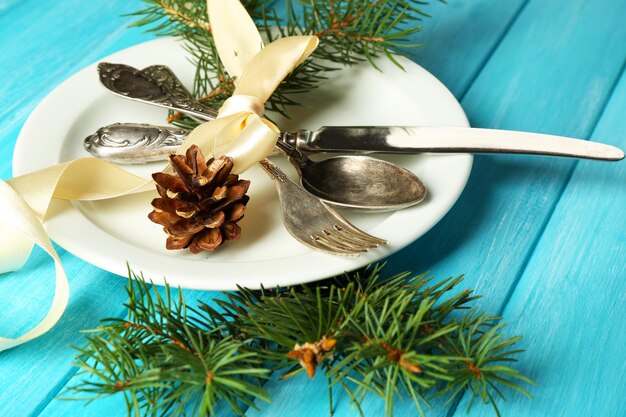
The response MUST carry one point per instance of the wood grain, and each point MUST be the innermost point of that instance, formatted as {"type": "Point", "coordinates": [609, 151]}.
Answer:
{"type": "Point", "coordinates": [528, 83]}
{"type": "Point", "coordinates": [570, 302]}
{"type": "Point", "coordinates": [544, 240]}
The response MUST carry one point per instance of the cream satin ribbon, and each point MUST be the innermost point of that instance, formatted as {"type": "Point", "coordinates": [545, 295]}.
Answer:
{"type": "Point", "coordinates": [24, 202]}
{"type": "Point", "coordinates": [240, 132]}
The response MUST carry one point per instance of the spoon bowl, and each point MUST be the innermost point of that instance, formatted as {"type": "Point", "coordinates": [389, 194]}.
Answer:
{"type": "Point", "coordinates": [362, 182]}
{"type": "Point", "coordinates": [357, 181]}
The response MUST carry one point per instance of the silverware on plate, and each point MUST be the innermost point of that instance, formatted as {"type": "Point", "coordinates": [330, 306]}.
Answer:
{"type": "Point", "coordinates": [362, 183]}
{"type": "Point", "coordinates": [134, 143]}
{"type": "Point", "coordinates": [350, 181]}
{"type": "Point", "coordinates": [306, 217]}
{"type": "Point", "coordinates": [424, 139]}
{"type": "Point", "coordinates": [313, 223]}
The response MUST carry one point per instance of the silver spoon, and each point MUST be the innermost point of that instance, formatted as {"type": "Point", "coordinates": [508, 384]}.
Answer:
{"type": "Point", "coordinates": [133, 143]}
{"type": "Point", "coordinates": [362, 182]}
{"type": "Point", "coordinates": [352, 181]}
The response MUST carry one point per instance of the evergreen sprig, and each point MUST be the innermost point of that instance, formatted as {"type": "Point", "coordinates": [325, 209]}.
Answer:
{"type": "Point", "coordinates": [350, 31]}
{"type": "Point", "coordinates": [391, 337]}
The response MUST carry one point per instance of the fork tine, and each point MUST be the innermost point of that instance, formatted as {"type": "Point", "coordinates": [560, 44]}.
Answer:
{"type": "Point", "coordinates": [345, 241]}
{"type": "Point", "coordinates": [344, 224]}
{"type": "Point", "coordinates": [310, 221]}
{"type": "Point", "coordinates": [360, 235]}
{"type": "Point", "coordinates": [329, 246]}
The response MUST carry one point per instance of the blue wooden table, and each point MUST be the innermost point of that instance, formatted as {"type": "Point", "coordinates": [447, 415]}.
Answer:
{"type": "Point", "coordinates": [542, 239]}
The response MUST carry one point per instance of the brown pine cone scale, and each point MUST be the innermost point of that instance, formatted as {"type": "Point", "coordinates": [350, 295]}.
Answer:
{"type": "Point", "coordinates": [200, 204]}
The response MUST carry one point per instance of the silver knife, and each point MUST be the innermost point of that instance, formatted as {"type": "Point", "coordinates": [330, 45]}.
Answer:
{"type": "Point", "coordinates": [133, 143]}
{"type": "Point", "coordinates": [420, 139]}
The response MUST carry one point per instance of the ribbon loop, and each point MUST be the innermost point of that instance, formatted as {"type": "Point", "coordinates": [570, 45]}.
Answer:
{"type": "Point", "coordinates": [267, 69]}
{"type": "Point", "coordinates": [257, 71]}
{"type": "Point", "coordinates": [236, 37]}
{"type": "Point", "coordinates": [21, 227]}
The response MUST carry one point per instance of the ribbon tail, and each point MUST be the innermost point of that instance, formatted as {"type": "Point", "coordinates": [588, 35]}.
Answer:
{"type": "Point", "coordinates": [24, 202]}
{"type": "Point", "coordinates": [21, 224]}
{"type": "Point", "coordinates": [81, 179]}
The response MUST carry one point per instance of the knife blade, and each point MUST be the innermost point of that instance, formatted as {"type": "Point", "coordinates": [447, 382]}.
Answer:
{"type": "Point", "coordinates": [418, 139]}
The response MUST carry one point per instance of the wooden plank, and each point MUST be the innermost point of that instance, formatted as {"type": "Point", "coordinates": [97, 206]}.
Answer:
{"type": "Point", "coordinates": [31, 375]}
{"type": "Point", "coordinates": [543, 77]}
{"type": "Point", "coordinates": [42, 45]}
{"type": "Point", "coordinates": [489, 232]}
{"type": "Point", "coordinates": [13, 6]}
{"type": "Point", "coordinates": [452, 241]}
{"type": "Point", "coordinates": [460, 36]}
{"type": "Point", "coordinates": [570, 302]}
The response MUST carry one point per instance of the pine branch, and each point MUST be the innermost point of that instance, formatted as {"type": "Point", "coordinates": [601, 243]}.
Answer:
{"type": "Point", "coordinates": [391, 337]}
{"type": "Point", "coordinates": [178, 17]}
{"type": "Point", "coordinates": [350, 31]}
{"type": "Point", "coordinates": [164, 363]}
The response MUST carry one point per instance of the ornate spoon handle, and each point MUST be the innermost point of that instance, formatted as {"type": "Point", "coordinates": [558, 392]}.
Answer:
{"type": "Point", "coordinates": [134, 143]}
{"type": "Point", "coordinates": [155, 85]}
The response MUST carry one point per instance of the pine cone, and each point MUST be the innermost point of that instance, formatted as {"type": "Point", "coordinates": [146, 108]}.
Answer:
{"type": "Point", "coordinates": [201, 204]}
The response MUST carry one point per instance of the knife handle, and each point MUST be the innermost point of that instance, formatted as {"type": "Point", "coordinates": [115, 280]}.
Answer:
{"type": "Point", "coordinates": [475, 140]}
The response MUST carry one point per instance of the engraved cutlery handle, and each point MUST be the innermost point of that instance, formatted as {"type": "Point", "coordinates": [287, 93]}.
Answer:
{"type": "Point", "coordinates": [133, 143]}
{"type": "Point", "coordinates": [155, 85]}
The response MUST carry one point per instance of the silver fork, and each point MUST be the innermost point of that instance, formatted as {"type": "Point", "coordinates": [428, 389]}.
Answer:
{"type": "Point", "coordinates": [310, 221]}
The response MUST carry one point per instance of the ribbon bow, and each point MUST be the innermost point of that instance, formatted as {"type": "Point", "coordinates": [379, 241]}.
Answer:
{"type": "Point", "coordinates": [240, 132]}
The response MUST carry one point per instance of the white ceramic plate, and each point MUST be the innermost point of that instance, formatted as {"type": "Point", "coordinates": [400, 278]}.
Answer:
{"type": "Point", "coordinates": [110, 233]}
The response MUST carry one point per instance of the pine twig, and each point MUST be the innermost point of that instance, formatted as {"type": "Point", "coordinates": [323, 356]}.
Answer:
{"type": "Point", "coordinates": [389, 337]}
{"type": "Point", "coordinates": [350, 31]}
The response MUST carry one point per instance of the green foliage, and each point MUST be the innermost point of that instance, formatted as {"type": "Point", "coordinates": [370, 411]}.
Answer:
{"type": "Point", "coordinates": [349, 31]}
{"type": "Point", "coordinates": [391, 337]}
{"type": "Point", "coordinates": [164, 363]}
